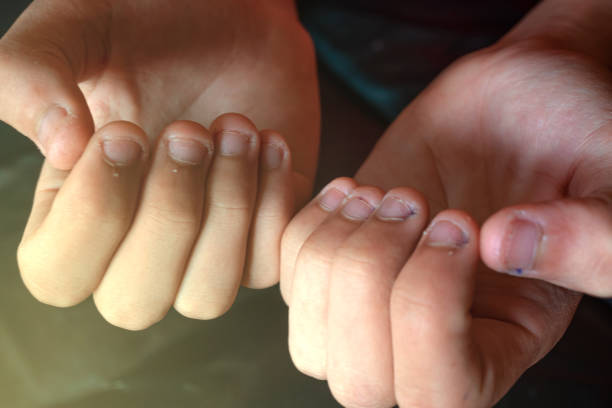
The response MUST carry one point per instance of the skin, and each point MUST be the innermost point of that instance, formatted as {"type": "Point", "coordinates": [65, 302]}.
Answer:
{"type": "Point", "coordinates": [520, 130]}
{"type": "Point", "coordinates": [143, 236]}
{"type": "Point", "coordinates": [540, 98]}
{"type": "Point", "coordinates": [71, 70]}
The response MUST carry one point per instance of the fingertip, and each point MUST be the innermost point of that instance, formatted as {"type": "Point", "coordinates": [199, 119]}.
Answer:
{"type": "Point", "coordinates": [190, 128]}
{"type": "Point", "coordinates": [275, 153]}
{"type": "Point", "coordinates": [403, 202]}
{"type": "Point", "coordinates": [334, 194]}
{"type": "Point", "coordinates": [233, 121]}
{"type": "Point", "coordinates": [468, 231]}
{"type": "Point", "coordinates": [63, 137]}
{"type": "Point", "coordinates": [510, 239]}
{"type": "Point", "coordinates": [124, 129]}
{"type": "Point", "coordinates": [187, 143]}
{"type": "Point", "coordinates": [491, 238]}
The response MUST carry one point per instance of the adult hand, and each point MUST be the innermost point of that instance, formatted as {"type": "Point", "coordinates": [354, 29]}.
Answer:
{"type": "Point", "coordinates": [518, 136]}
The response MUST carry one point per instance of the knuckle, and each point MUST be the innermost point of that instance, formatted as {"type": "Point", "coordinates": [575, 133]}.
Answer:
{"type": "Point", "coordinates": [312, 256]}
{"type": "Point", "coordinates": [416, 395]}
{"type": "Point", "coordinates": [181, 218]}
{"type": "Point", "coordinates": [201, 310]}
{"type": "Point", "coordinates": [260, 279]}
{"type": "Point", "coordinates": [46, 286]}
{"type": "Point", "coordinates": [307, 362]}
{"type": "Point", "coordinates": [362, 263]}
{"type": "Point", "coordinates": [316, 250]}
{"type": "Point", "coordinates": [236, 206]}
{"type": "Point", "coordinates": [403, 301]}
{"type": "Point", "coordinates": [359, 260]}
{"type": "Point", "coordinates": [129, 317]}
{"type": "Point", "coordinates": [353, 394]}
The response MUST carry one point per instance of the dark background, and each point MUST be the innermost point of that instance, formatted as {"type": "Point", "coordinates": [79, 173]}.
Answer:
{"type": "Point", "coordinates": [72, 358]}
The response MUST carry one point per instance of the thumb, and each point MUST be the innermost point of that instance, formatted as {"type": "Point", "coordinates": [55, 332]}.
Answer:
{"type": "Point", "coordinates": [42, 58]}
{"type": "Point", "coordinates": [566, 242]}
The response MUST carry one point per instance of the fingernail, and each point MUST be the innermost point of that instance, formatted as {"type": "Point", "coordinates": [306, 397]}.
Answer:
{"type": "Point", "coordinates": [331, 199]}
{"type": "Point", "coordinates": [444, 233]}
{"type": "Point", "coordinates": [50, 125]}
{"type": "Point", "coordinates": [121, 151]}
{"type": "Point", "coordinates": [273, 156]}
{"type": "Point", "coordinates": [186, 150]}
{"type": "Point", "coordinates": [521, 245]}
{"type": "Point", "coordinates": [357, 209]}
{"type": "Point", "coordinates": [394, 209]}
{"type": "Point", "coordinates": [233, 143]}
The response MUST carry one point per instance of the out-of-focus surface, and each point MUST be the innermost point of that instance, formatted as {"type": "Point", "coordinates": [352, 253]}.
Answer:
{"type": "Point", "coordinates": [71, 358]}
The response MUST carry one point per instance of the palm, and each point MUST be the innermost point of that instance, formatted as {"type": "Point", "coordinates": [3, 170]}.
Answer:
{"type": "Point", "coordinates": [197, 60]}
{"type": "Point", "coordinates": [497, 129]}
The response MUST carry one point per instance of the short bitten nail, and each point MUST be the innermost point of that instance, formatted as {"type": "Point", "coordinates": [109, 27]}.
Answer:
{"type": "Point", "coordinates": [331, 199]}
{"type": "Point", "coordinates": [273, 156]}
{"type": "Point", "coordinates": [186, 150]}
{"type": "Point", "coordinates": [394, 209]}
{"type": "Point", "coordinates": [521, 244]}
{"type": "Point", "coordinates": [233, 143]}
{"type": "Point", "coordinates": [357, 209]}
{"type": "Point", "coordinates": [446, 234]}
{"type": "Point", "coordinates": [121, 151]}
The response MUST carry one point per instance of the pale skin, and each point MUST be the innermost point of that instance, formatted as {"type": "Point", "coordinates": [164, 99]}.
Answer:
{"type": "Point", "coordinates": [73, 69]}
{"type": "Point", "coordinates": [520, 131]}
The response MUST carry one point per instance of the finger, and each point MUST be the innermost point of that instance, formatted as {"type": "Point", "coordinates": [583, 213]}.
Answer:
{"type": "Point", "coordinates": [44, 55]}
{"type": "Point", "coordinates": [214, 272]}
{"type": "Point", "coordinates": [304, 223]}
{"type": "Point", "coordinates": [309, 297]}
{"type": "Point", "coordinates": [566, 242]}
{"type": "Point", "coordinates": [72, 235]}
{"type": "Point", "coordinates": [360, 361]}
{"type": "Point", "coordinates": [273, 210]}
{"type": "Point", "coordinates": [430, 317]}
{"type": "Point", "coordinates": [143, 277]}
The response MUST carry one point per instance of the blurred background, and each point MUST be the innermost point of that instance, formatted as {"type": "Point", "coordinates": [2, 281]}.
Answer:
{"type": "Point", "coordinates": [52, 358]}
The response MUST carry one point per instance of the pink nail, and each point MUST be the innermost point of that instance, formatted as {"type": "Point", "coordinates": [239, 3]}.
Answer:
{"type": "Point", "coordinates": [121, 152]}
{"type": "Point", "coordinates": [331, 199]}
{"type": "Point", "coordinates": [273, 156]}
{"type": "Point", "coordinates": [186, 150]}
{"type": "Point", "coordinates": [521, 244]}
{"type": "Point", "coordinates": [357, 209]}
{"type": "Point", "coordinates": [444, 233]}
{"type": "Point", "coordinates": [394, 209]}
{"type": "Point", "coordinates": [232, 143]}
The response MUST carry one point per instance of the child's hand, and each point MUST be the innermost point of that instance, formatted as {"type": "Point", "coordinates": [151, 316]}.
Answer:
{"type": "Point", "coordinates": [386, 325]}
{"type": "Point", "coordinates": [69, 67]}
{"type": "Point", "coordinates": [145, 227]}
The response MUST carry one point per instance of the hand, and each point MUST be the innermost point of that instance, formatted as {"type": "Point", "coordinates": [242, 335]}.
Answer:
{"type": "Point", "coordinates": [67, 68]}
{"type": "Point", "coordinates": [384, 324]}
{"type": "Point", "coordinates": [520, 135]}
{"type": "Point", "coordinates": [515, 135]}
{"type": "Point", "coordinates": [145, 227]}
